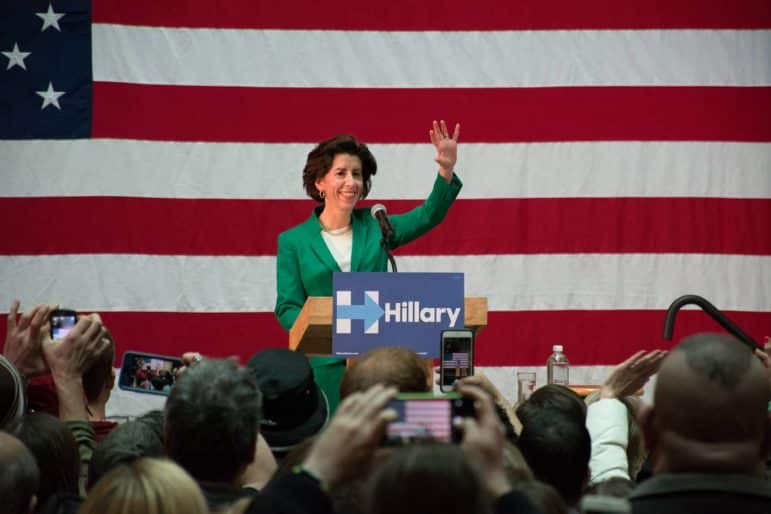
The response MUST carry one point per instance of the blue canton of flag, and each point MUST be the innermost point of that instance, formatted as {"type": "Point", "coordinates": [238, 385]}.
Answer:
{"type": "Point", "coordinates": [45, 69]}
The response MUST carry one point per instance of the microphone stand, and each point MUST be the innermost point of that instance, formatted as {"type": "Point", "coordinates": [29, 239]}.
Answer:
{"type": "Point", "coordinates": [384, 246]}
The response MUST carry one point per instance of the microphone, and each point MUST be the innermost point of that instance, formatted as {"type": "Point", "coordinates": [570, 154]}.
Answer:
{"type": "Point", "coordinates": [378, 212]}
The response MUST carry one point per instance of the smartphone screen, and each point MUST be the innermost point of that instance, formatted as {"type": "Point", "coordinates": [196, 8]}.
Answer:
{"type": "Point", "coordinates": [457, 357]}
{"type": "Point", "coordinates": [62, 321]}
{"type": "Point", "coordinates": [148, 373]}
{"type": "Point", "coordinates": [427, 418]}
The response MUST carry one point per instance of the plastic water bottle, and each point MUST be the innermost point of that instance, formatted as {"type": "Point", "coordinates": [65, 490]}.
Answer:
{"type": "Point", "coordinates": [557, 367]}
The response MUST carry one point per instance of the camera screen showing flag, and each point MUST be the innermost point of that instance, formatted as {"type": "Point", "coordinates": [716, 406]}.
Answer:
{"type": "Point", "coordinates": [456, 360]}
{"type": "Point", "coordinates": [420, 419]}
{"type": "Point", "coordinates": [614, 156]}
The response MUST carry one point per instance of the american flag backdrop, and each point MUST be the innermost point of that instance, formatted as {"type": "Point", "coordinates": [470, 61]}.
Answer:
{"type": "Point", "coordinates": [615, 155]}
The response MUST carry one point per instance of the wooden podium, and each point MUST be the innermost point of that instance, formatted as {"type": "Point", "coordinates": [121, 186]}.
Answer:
{"type": "Point", "coordinates": [312, 330]}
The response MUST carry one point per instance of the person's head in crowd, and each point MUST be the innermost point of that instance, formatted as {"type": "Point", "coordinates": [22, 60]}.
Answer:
{"type": "Point", "coordinates": [140, 437]}
{"type": "Point", "coordinates": [99, 379]}
{"type": "Point", "coordinates": [388, 365]}
{"type": "Point", "coordinates": [557, 447]}
{"type": "Point", "coordinates": [556, 397]}
{"type": "Point", "coordinates": [147, 485]}
{"type": "Point", "coordinates": [55, 451]}
{"type": "Point", "coordinates": [212, 420]}
{"type": "Point", "coordinates": [431, 477]}
{"type": "Point", "coordinates": [542, 495]}
{"type": "Point", "coordinates": [19, 478]}
{"type": "Point", "coordinates": [12, 403]}
{"type": "Point", "coordinates": [320, 161]}
{"type": "Point", "coordinates": [635, 449]}
{"type": "Point", "coordinates": [293, 406]}
{"type": "Point", "coordinates": [710, 412]}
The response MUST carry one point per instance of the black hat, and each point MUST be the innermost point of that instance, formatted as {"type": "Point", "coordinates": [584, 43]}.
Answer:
{"type": "Point", "coordinates": [293, 406]}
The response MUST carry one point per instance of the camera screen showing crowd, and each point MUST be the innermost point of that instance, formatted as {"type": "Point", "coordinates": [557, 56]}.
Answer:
{"type": "Point", "coordinates": [147, 373]}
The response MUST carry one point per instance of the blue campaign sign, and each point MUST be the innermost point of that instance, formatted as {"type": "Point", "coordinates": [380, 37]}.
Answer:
{"type": "Point", "coordinates": [394, 309]}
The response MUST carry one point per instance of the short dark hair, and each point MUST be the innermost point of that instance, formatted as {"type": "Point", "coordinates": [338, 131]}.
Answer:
{"type": "Point", "coordinates": [557, 447]}
{"type": "Point", "coordinates": [55, 451]}
{"type": "Point", "coordinates": [553, 396]}
{"type": "Point", "coordinates": [387, 365]}
{"type": "Point", "coordinates": [432, 477]}
{"type": "Point", "coordinates": [212, 420]}
{"type": "Point", "coordinates": [99, 374]}
{"type": "Point", "coordinates": [20, 477]}
{"type": "Point", "coordinates": [320, 161]}
{"type": "Point", "coordinates": [129, 441]}
{"type": "Point", "coordinates": [543, 496]}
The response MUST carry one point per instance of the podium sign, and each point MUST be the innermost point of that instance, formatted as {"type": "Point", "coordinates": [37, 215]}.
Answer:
{"type": "Point", "coordinates": [394, 309]}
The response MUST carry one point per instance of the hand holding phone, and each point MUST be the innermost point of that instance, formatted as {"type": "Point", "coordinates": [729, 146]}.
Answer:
{"type": "Point", "coordinates": [62, 321]}
{"type": "Point", "coordinates": [457, 357]}
{"type": "Point", "coordinates": [149, 373]}
{"type": "Point", "coordinates": [483, 438]}
{"type": "Point", "coordinates": [427, 417]}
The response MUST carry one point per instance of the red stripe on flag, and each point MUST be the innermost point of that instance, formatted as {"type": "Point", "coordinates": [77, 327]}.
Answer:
{"type": "Point", "coordinates": [511, 338]}
{"type": "Point", "coordinates": [457, 14]}
{"type": "Point", "coordinates": [596, 336]}
{"type": "Point", "coordinates": [502, 226]}
{"type": "Point", "coordinates": [270, 115]}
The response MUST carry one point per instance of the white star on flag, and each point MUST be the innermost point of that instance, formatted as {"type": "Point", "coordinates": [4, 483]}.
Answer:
{"type": "Point", "coordinates": [50, 97]}
{"type": "Point", "coordinates": [16, 57]}
{"type": "Point", "coordinates": [50, 18]}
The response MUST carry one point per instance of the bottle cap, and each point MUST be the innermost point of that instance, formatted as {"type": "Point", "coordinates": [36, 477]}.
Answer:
{"type": "Point", "coordinates": [556, 348]}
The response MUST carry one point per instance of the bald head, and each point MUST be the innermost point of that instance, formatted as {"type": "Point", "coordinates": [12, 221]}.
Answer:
{"type": "Point", "coordinates": [20, 476]}
{"type": "Point", "coordinates": [710, 377]}
{"type": "Point", "coordinates": [389, 365]}
{"type": "Point", "coordinates": [710, 408]}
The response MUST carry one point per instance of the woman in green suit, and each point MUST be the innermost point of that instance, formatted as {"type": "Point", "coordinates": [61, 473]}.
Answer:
{"type": "Point", "coordinates": [340, 237]}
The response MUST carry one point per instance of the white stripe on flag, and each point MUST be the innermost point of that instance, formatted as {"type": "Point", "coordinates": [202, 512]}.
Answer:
{"type": "Point", "coordinates": [114, 167]}
{"type": "Point", "coordinates": [511, 282]}
{"type": "Point", "coordinates": [270, 58]}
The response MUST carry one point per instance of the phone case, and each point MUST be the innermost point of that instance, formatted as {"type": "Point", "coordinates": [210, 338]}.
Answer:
{"type": "Point", "coordinates": [442, 385]}
{"type": "Point", "coordinates": [153, 382]}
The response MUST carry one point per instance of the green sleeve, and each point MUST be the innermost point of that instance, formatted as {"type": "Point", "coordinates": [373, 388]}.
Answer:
{"type": "Point", "coordinates": [421, 219]}
{"type": "Point", "coordinates": [290, 292]}
{"type": "Point", "coordinates": [85, 437]}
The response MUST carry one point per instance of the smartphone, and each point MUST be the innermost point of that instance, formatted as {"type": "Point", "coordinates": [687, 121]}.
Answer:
{"type": "Point", "coordinates": [457, 357]}
{"type": "Point", "coordinates": [427, 417]}
{"type": "Point", "coordinates": [148, 373]}
{"type": "Point", "coordinates": [62, 321]}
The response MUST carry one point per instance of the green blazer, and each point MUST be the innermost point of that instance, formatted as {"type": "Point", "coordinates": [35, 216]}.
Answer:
{"type": "Point", "coordinates": [304, 265]}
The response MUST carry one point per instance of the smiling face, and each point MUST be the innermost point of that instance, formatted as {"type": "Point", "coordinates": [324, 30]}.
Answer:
{"type": "Point", "coordinates": [343, 184]}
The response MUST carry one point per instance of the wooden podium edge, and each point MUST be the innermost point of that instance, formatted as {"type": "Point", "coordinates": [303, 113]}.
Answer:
{"type": "Point", "coordinates": [312, 330]}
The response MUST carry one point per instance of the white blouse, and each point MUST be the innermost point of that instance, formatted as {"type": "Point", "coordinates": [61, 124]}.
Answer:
{"type": "Point", "coordinates": [340, 244]}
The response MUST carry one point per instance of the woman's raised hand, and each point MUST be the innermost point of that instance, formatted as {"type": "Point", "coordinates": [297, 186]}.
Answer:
{"type": "Point", "coordinates": [446, 148]}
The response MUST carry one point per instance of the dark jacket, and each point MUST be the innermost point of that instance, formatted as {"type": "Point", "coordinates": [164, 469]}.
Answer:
{"type": "Point", "coordinates": [684, 493]}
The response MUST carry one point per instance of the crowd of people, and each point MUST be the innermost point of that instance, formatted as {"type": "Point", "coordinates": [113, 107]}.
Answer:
{"type": "Point", "coordinates": [263, 438]}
